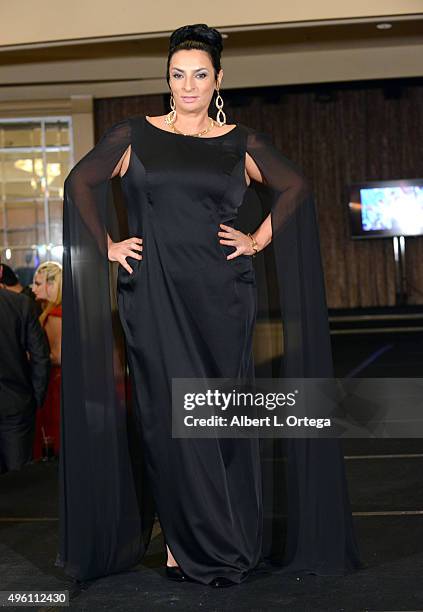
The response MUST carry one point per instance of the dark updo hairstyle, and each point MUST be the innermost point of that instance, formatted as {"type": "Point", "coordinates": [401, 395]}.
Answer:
{"type": "Point", "coordinates": [197, 36]}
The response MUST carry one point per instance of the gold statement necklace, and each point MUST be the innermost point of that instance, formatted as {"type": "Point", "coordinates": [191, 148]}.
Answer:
{"type": "Point", "coordinates": [207, 129]}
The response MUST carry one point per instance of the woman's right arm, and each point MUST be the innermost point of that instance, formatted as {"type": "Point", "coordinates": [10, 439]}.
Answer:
{"type": "Point", "coordinates": [120, 168]}
{"type": "Point", "coordinates": [86, 188]}
{"type": "Point", "coordinates": [118, 251]}
{"type": "Point", "coordinates": [122, 165]}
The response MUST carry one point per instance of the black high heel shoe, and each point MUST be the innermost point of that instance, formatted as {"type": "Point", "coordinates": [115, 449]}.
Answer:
{"type": "Point", "coordinates": [221, 581]}
{"type": "Point", "coordinates": [175, 573]}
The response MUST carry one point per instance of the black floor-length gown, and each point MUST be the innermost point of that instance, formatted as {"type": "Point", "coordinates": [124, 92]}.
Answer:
{"type": "Point", "coordinates": [186, 311]}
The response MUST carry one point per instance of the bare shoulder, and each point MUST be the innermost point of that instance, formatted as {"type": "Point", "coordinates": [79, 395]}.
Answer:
{"type": "Point", "coordinates": [157, 120]}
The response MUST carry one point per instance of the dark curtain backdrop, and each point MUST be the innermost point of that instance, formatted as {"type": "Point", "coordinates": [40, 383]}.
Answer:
{"type": "Point", "coordinates": [339, 134]}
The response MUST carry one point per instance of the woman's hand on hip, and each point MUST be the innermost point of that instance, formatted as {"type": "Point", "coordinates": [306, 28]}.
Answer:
{"type": "Point", "coordinates": [237, 239]}
{"type": "Point", "coordinates": [119, 251]}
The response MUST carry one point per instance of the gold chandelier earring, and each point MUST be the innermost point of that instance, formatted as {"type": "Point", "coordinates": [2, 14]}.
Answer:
{"type": "Point", "coordinates": [171, 116]}
{"type": "Point", "coordinates": [220, 117]}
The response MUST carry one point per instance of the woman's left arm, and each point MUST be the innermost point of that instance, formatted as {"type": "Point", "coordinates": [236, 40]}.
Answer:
{"type": "Point", "coordinates": [53, 328]}
{"type": "Point", "coordinates": [263, 234]}
{"type": "Point", "coordinates": [264, 163]}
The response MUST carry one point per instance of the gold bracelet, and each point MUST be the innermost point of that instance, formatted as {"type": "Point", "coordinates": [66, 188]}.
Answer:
{"type": "Point", "coordinates": [254, 245]}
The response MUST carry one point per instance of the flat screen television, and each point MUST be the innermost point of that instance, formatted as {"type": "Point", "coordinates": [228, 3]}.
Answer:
{"type": "Point", "coordinates": [386, 208]}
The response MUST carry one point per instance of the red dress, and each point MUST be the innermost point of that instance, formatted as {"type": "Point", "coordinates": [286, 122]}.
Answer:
{"type": "Point", "coordinates": [48, 417]}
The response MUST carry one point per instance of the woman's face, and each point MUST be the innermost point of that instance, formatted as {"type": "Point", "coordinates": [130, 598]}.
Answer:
{"type": "Point", "coordinates": [192, 80]}
{"type": "Point", "coordinates": [43, 289]}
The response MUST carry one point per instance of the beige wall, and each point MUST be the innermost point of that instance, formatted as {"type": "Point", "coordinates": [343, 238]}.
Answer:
{"type": "Point", "coordinates": [44, 68]}
{"type": "Point", "coordinates": [26, 21]}
{"type": "Point", "coordinates": [270, 42]}
{"type": "Point", "coordinates": [137, 75]}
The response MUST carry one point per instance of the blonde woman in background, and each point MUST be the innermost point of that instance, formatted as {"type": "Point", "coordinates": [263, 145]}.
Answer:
{"type": "Point", "coordinates": [47, 287]}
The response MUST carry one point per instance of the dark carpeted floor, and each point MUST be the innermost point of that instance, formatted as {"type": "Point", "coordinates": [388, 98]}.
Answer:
{"type": "Point", "coordinates": [385, 480]}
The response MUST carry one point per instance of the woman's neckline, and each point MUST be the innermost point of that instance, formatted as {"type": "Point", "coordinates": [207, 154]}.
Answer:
{"type": "Point", "coordinates": [189, 136]}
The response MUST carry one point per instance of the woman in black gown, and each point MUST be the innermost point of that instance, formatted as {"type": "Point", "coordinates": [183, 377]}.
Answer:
{"type": "Point", "coordinates": [187, 306]}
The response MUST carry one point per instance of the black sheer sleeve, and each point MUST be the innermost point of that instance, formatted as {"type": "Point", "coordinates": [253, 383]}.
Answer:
{"type": "Point", "coordinates": [318, 526]}
{"type": "Point", "coordinates": [296, 245]}
{"type": "Point", "coordinates": [100, 522]}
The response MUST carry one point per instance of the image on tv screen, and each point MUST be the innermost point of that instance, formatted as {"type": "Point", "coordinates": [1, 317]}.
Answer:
{"type": "Point", "coordinates": [387, 210]}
